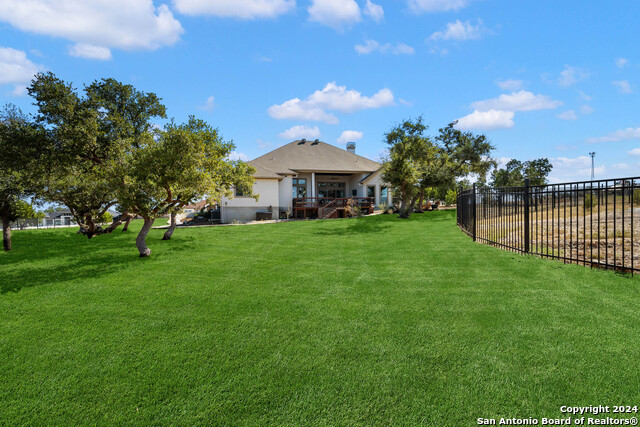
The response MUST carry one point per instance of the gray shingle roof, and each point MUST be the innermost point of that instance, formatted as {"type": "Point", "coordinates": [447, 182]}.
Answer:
{"type": "Point", "coordinates": [299, 156]}
{"type": "Point", "coordinates": [262, 172]}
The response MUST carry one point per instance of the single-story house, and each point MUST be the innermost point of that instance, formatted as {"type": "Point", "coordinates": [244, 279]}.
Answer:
{"type": "Point", "coordinates": [62, 217]}
{"type": "Point", "coordinates": [192, 209]}
{"type": "Point", "coordinates": [308, 179]}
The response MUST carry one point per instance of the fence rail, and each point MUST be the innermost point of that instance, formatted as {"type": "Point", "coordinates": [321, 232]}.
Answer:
{"type": "Point", "coordinates": [30, 223]}
{"type": "Point", "coordinates": [594, 223]}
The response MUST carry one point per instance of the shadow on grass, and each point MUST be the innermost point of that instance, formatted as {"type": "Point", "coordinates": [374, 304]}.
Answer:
{"type": "Point", "coordinates": [356, 226]}
{"type": "Point", "coordinates": [44, 257]}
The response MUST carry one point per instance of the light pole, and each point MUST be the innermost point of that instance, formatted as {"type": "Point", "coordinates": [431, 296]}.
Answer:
{"type": "Point", "coordinates": [593, 155]}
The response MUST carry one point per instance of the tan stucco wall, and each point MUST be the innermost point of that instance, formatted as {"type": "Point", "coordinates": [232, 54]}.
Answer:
{"type": "Point", "coordinates": [244, 208]}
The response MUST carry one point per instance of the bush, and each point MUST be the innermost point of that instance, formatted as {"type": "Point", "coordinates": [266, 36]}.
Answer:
{"type": "Point", "coordinates": [105, 218]}
{"type": "Point", "coordinates": [451, 198]}
{"type": "Point", "coordinates": [352, 209]}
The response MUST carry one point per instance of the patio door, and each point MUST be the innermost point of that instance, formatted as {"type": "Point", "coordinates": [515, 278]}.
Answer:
{"type": "Point", "coordinates": [335, 190]}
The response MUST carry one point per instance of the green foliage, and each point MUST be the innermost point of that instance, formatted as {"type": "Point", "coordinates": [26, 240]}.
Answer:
{"type": "Point", "coordinates": [88, 142]}
{"type": "Point", "coordinates": [451, 198]}
{"type": "Point", "coordinates": [408, 147]}
{"type": "Point", "coordinates": [180, 165]}
{"type": "Point", "coordinates": [589, 200]}
{"type": "Point", "coordinates": [100, 150]}
{"type": "Point", "coordinates": [105, 218]}
{"type": "Point", "coordinates": [636, 197]}
{"type": "Point", "coordinates": [18, 162]}
{"type": "Point", "coordinates": [515, 172]}
{"type": "Point", "coordinates": [417, 163]}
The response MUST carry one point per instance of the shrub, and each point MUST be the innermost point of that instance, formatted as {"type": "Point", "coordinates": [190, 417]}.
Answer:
{"type": "Point", "coordinates": [451, 198]}
{"type": "Point", "coordinates": [105, 218]}
{"type": "Point", "coordinates": [352, 209]}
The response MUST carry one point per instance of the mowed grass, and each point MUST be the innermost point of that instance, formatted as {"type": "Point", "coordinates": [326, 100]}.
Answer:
{"type": "Point", "coordinates": [373, 320]}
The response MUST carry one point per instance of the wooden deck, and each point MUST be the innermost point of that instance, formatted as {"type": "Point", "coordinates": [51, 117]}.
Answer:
{"type": "Point", "coordinates": [329, 207]}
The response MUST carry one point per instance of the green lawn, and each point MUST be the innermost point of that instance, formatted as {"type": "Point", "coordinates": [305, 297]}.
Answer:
{"type": "Point", "coordinates": [365, 321]}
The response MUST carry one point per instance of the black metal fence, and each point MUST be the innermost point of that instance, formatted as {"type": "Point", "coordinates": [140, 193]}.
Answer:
{"type": "Point", "coordinates": [595, 223]}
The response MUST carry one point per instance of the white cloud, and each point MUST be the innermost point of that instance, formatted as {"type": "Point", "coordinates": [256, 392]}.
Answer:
{"type": "Point", "coordinates": [105, 24]}
{"type": "Point", "coordinates": [586, 109]}
{"type": "Point", "coordinates": [634, 152]}
{"type": "Point", "coordinates": [510, 84]}
{"type": "Point", "coordinates": [573, 168]}
{"type": "Point", "coordinates": [374, 11]}
{"type": "Point", "coordinates": [486, 120]}
{"type": "Point", "coordinates": [263, 144]}
{"type": "Point", "coordinates": [243, 9]}
{"type": "Point", "coordinates": [238, 156]}
{"type": "Point", "coordinates": [460, 31]}
{"type": "Point", "coordinates": [419, 6]}
{"type": "Point", "coordinates": [209, 105]}
{"type": "Point", "coordinates": [332, 97]}
{"type": "Point", "coordinates": [517, 101]}
{"type": "Point", "coordinates": [584, 96]}
{"type": "Point", "coordinates": [297, 109]}
{"type": "Point", "coordinates": [334, 13]}
{"type": "Point", "coordinates": [438, 51]}
{"type": "Point", "coordinates": [565, 147]}
{"type": "Point", "coordinates": [621, 62]}
{"type": "Point", "coordinates": [401, 49]}
{"type": "Point", "coordinates": [16, 69]}
{"type": "Point", "coordinates": [568, 115]}
{"type": "Point", "coordinates": [373, 46]}
{"type": "Point", "coordinates": [620, 166]}
{"type": "Point", "coordinates": [405, 102]}
{"type": "Point", "coordinates": [619, 135]}
{"type": "Point", "coordinates": [571, 75]}
{"type": "Point", "coordinates": [623, 86]}
{"type": "Point", "coordinates": [350, 136]}
{"type": "Point", "coordinates": [368, 47]}
{"type": "Point", "coordinates": [83, 50]}
{"type": "Point", "coordinates": [301, 131]}
{"type": "Point", "coordinates": [262, 58]}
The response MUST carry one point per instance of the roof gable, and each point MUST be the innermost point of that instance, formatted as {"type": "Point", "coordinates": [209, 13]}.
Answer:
{"type": "Point", "coordinates": [315, 156]}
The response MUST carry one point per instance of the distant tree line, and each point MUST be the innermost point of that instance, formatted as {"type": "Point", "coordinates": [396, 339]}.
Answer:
{"type": "Point", "coordinates": [515, 172]}
{"type": "Point", "coordinates": [98, 149]}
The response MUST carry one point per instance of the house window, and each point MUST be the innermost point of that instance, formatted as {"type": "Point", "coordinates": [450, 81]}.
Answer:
{"type": "Point", "coordinates": [371, 192]}
{"type": "Point", "coordinates": [383, 194]}
{"type": "Point", "coordinates": [331, 189]}
{"type": "Point", "coordinates": [242, 191]}
{"type": "Point", "coordinates": [299, 187]}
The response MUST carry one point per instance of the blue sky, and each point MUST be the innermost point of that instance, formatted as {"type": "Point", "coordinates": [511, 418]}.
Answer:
{"type": "Point", "coordinates": [554, 79]}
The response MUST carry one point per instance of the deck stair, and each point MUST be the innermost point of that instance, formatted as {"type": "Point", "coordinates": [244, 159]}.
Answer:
{"type": "Point", "coordinates": [330, 210]}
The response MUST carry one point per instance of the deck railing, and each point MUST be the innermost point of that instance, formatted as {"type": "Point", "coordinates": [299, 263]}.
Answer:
{"type": "Point", "coordinates": [320, 204]}
{"type": "Point", "coordinates": [595, 223]}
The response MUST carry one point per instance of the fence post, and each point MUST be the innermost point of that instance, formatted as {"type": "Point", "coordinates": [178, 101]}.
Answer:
{"type": "Point", "coordinates": [527, 207]}
{"type": "Point", "coordinates": [473, 211]}
{"type": "Point", "coordinates": [459, 206]}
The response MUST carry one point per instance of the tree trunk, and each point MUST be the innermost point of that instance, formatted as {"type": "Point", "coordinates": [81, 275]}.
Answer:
{"type": "Point", "coordinates": [172, 227]}
{"type": "Point", "coordinates": [115, 224]}
{"type": "Point", "coordinates": [141, 243]}
{"type": "Point", "coordinates": [405, 209]}
{"type": "Point", "coordinates": [6, 235]}
{"type": "Point", "coordinates": [126, 224]}
{"type": "Point", "coordinates": [420, 201]}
